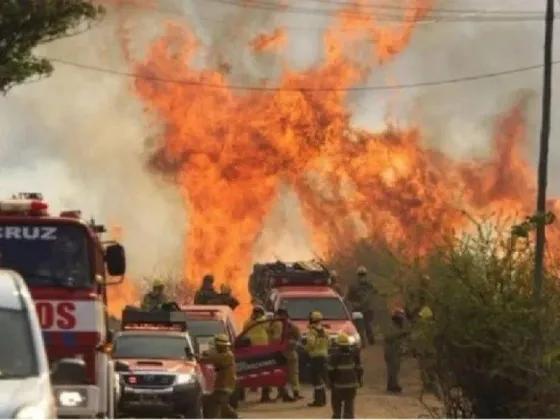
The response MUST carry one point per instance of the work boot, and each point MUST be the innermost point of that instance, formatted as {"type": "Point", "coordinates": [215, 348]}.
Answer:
{"type": "Point", "coordinates": [316, 399]}
{"type": "Point", "coordinates": [284, 395]}
{"type": "Point", "coordinates": [394, 389]}
{"type": "Point", "coordinates": [323, 397]}
{"type": "Point", "coordinates": [297, 396]}
{"type": "Point", "coordinates": [265, 396]}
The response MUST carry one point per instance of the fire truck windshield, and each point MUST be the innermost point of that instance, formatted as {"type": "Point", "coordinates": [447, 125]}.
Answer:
{"type": "Point", "coordinates": [17, 359]}
{"type": "Point", "coordinates": [331, 308]}
{"type": "Point", "coordinates": [47, 255]}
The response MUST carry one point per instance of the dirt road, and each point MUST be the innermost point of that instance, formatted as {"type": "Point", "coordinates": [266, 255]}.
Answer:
{"type": "Point", "coordinates": [372, 402]}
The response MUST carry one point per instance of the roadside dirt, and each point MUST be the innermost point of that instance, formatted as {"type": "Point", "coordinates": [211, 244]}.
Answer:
{"type": "Point", "coordinates": [372, 402]}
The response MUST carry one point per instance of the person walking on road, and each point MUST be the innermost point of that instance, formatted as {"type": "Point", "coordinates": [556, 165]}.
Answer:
{"type": "Point", "coordinates": [393, 348]}
{"type": "Point", "coordinates": [345, 377]}
{"type": "Point", "coordinates": [317, 347]}
{"type": "Point", "coordinates": [223, 361]}
{"type": "Point", "coordinates": [361, 297]}
{"type": "Point", "coordinates": [294, 337]}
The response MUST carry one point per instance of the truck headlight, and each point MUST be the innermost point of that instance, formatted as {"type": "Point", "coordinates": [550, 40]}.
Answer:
{"type": "Point", "coordinates": [185, 378]}
{"type": "Point", "coordinates": [30, 412]}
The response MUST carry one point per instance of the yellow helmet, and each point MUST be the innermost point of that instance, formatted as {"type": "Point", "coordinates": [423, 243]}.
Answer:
{"type": "Point", "coordinates": [221, 340]}
{"type": "Point", "coordinates": [225, 288]}
{"type": "Point", "coordinates": [157, 283]}
{"type": "Point", "coordinates": [315, 316]}
{"type": "Point", "coordinates": [361, 271]}
{"type": "Point", "coordinates": [342, 340]}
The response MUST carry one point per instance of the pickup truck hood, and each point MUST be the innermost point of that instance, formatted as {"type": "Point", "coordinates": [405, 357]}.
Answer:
{"type": "Point", "coordinates": [332, 327]}
{"type": "Point", "coordinates": [149, 365]}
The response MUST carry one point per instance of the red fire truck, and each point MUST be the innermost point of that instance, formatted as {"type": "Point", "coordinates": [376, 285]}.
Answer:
{"type": "Point", "coordinates": [67, 268]}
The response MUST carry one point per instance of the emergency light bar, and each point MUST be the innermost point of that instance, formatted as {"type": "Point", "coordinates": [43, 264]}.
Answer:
{"type": "Point", "coordinates": [134, 318]}
{"type": "Point", "coordinates": [72, 214]}
{"type": "Point", "coordinates": [302, 281]}
{"type": "Point", "coordinates": [23, 206]}
{"type": "Point", "coordinates": [196, 311]}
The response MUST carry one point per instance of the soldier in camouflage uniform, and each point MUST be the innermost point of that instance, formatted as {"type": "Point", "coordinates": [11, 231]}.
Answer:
{"type": "Point", "coordinates": [225, 297]}
{"type": "Point", "coordinates": [361, 297]}
{"type": "Point", "coordinates": [154, 299]}
{"type": "Point", "coordinates": [206, 295]}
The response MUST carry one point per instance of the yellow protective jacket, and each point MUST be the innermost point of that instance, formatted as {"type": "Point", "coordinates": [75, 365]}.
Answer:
{"type": "Point", "coordinates": [259, 334]}
{"type": "Point", "coordinates": [317, 342]}
{"type": "Point", "coordinates": [224, 365]}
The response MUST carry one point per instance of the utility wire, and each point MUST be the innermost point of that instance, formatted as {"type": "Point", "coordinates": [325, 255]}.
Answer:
{"type": "Point", "coordinates": [522, 17]}
{"type": "Point", "coordinates": [281, 89]}
{"type": "Point", "coordinates": [383, 18]}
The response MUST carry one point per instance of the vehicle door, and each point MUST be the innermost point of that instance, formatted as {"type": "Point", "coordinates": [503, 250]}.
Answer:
{"type": "Point", "coordinates": [262, 365]}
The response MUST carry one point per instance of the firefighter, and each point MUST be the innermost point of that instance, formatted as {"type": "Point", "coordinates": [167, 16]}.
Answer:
{"type": "Point", "coordinates": [223, 361]}
{"type": "Point", "coordinates": [206, 294]}
{"type": "Point", "coordinates": [421, 348]}
{"type": "Point", "coordinates": [361, 296]}
{"type": "Point", "coordinates": [345, 377]}
{"type": "Point", "coordinates": [155, 298]}
{"type": "Point", "coordinates": [317, 347]}
{"type": "Point", "coordinates": [393, 348]}
{"type": "Point", "coordinates": [294, 337]}
{"type": "Point", "coordinates": [225, 297]}
{"type": "Point", "coordinates": [259, 336]}
{"type": "Point", "coordinates": [335, 283]}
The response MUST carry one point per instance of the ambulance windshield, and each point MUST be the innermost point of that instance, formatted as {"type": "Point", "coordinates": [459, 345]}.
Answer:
{"type": "Point", "coordinates": [47, 255]}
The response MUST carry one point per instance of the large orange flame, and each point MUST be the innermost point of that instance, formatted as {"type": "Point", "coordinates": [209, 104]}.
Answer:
{"type": "Point", "coordinates": [230, 151]}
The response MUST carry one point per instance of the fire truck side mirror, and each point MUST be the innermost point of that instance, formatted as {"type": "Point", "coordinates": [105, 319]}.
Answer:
{"type": "Point", "coordinates": [115, 259]}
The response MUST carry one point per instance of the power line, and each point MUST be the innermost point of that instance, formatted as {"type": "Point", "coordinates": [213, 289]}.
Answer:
{"type": "Point", "coordinates": [281, 89]}
{"type": "Point", "coordinates": [432, 9]}
{"type": "Point", "coordinates": [432, 19]}
{"type": "Point", "coordinates": [387, 18]}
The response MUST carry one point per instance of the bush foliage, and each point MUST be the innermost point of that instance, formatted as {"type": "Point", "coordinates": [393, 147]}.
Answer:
{"type": "Point", "coordinates": [493, 353]}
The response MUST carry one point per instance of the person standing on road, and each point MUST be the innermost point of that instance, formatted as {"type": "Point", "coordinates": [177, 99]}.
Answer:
{"type": "Point", "coordinates": [345, 377]}
{"type": "Point", "coordinates": [361, 297]}
{"type": "Point", "coordinates": [317, 347]}
{"type": "Point", "coordinates": [206, 294]}
{"type": "Point", "coordinates": [294, 337]}
{"type": "Point", "coordinates": [424, 316]}
{"type": "Point", "coordinates": [393, 348]}
{"type": "Point", "coordinates": [155, 298]}
{"type": "Point", "coordinates": [223, 361]}
{"type": "Point", "coordinates": [259, 336]}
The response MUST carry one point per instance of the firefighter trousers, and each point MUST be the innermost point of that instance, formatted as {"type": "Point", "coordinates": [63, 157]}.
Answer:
{"type": "Point", "coordinates": [368, 326]}
{"type": "Point", "coordinates": [219, 401]}
{"type": "Point", "coordinates": [319, 377]}
{"type": "Point", "coordinates": [293, 378]}
{"type": "Point", "coordinates": [393, 363]}
{"type": "Point", "coordinates": [342, 402]}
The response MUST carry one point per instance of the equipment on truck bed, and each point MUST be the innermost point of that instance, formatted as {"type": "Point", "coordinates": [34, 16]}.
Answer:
{"type": "Point", "coordinates": [301, 273]}
{"type": "Point", "coordinates": [133, 318]}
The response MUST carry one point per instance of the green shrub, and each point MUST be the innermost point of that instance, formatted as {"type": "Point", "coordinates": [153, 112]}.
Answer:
{"type": "Point", "coordinates": [491, 349]}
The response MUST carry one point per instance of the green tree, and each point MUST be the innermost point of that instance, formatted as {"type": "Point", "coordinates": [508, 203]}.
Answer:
{"type": "Point", "coordinates": [24, 24]}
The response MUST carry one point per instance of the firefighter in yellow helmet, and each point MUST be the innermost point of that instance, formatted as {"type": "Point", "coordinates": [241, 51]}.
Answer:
{"type": "Point", "coordinates": [225, 297]}
{"type": "Point", "coordinates": [258, 333]}
{"type": "Point", "coordinates": [345, 377]}
{"type": "Point", "coordinates": [156, 297]}
{"type": "Point", "coordinates": [223, 361]}
{"type": "Point", "coordinates": [317, 347]}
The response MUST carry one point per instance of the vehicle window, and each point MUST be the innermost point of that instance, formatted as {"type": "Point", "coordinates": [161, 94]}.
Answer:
{"type": "Point", "coordinates": [150, 346]}
{"type": "Point", "coordinates": [47, 254]}
{"type": "Point", "coordinates": [204, 330]}
{"type": "Point", "coordinates": [18, 358]}
{"type": "Point", "coordinates": [330, 307]}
